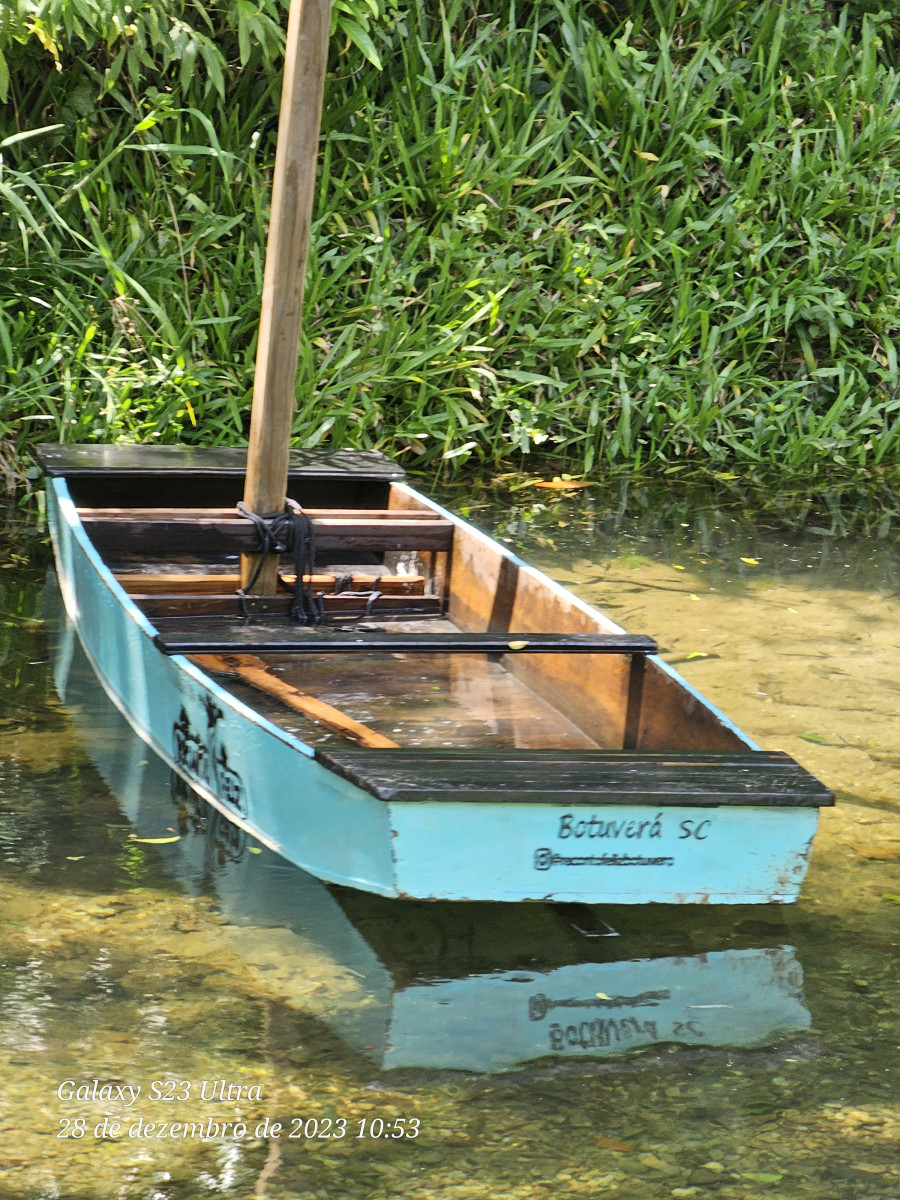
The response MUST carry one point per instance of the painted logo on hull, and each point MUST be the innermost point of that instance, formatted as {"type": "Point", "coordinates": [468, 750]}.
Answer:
{"type": "Point", "coordinates": [204, 757]}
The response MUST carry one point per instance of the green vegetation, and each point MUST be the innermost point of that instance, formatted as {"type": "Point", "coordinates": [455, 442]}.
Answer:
{"type": "Point", "coordinates": [656, 233]}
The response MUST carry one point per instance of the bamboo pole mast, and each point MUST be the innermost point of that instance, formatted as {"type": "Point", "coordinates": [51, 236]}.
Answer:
{"type": "Point", "coordinates": [293, 190]}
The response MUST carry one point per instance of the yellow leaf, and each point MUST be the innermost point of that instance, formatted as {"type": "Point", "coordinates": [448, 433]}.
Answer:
{"type": "Point", "coordinates": [751, 562]}
{"type": "Point", "coordinates": [156, 841]}
{"type": "Point", "coordinates": [560, 485]}
{"type": "Point", "coordinates": [517, 645]}
{"type": "Point", "coordinates": [255, 850]}
{"type": "Point", "coordinates": [601, 995]}
{"type": "Point", "coordinates": [677, 567]}
{"type": "Point", "coordinates": [645, 154]}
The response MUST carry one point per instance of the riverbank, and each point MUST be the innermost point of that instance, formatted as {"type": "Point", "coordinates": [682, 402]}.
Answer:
{"type": "Point", "coordinates": [542, 235]}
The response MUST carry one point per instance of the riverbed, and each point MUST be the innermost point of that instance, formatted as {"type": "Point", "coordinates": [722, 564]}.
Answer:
{"type": "Point", "coordinates": [185, 1016]}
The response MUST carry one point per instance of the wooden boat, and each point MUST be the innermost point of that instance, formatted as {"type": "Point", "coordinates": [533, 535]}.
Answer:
{"type": "Point", "coordinates": [458, 726]}
{"type": "Point", "coordinates": [542, 753]}
{"type": "Point", "coordinates": [484, 988]}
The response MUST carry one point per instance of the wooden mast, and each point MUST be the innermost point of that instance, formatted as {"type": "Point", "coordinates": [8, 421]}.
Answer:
{"type": "Point", "coordinates": [293, 190]}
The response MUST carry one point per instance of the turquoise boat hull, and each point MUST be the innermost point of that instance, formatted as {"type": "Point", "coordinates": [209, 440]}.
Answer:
{"type": "Point", "coordinates": [271, 784]}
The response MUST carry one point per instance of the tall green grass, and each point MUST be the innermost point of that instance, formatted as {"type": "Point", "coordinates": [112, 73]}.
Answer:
{"type": "Point", "coordinates": [657, 235]}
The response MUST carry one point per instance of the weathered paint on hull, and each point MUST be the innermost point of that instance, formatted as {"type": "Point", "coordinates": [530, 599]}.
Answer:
{"type": "Point", "coordinates": [269, 783]}
{"type": "Point", "coordinates": [603, 855]}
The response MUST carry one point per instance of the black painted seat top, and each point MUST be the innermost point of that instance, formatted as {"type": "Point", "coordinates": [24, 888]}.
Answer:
{"type": "Point", "coordinates": [220, 461]}
{"type": "Point", "coordinates": [581, 777]}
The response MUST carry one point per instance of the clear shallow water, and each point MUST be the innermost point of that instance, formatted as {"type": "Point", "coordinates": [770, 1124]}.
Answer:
{"type": "Point", "coordinates": [767, 1070]}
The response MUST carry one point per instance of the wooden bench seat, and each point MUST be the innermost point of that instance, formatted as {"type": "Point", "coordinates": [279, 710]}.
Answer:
{"type": "Point", "coordinates": [582, 777]}
{"type": "Point", "coordinates": [167, 475]}
{"type": "Point", "coordinates": [154, 531]}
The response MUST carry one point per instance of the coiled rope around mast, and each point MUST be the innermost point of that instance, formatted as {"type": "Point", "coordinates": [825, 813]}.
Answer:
{"type": "Point", "coordinates": [287, 532]}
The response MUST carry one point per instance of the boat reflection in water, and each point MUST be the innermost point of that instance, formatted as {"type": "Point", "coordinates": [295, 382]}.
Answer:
{"type": "Point", "coordinates": [483, 988]}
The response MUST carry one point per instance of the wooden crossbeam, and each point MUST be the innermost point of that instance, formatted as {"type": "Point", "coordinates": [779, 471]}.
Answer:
{"type": "Point", "coordinates": [174, 532]}
{"type": "Point", "coordinates": [148, 583]}
{"type": "Point", "coordinates": [202, 604]}
{"type": "Point", "coordinates": [211, 513]}
{"type": "Point", "coordinates": [284, 639]}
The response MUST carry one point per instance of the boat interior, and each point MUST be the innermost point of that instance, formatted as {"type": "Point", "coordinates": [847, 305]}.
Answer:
{"type": "Point", "coordinates": [427, 636]}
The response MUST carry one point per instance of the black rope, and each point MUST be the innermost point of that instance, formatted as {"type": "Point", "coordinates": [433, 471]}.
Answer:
{"type": "Point", "coordinates": [288, 532]}
{"type": "Point", "coordinates": [369, 598]}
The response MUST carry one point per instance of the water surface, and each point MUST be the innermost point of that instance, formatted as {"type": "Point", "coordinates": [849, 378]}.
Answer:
{"type": "Point", "coordinates": [731, 1053]}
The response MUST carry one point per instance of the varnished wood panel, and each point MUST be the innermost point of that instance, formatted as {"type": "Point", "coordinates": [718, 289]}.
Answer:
{"type": "Point", "coordinates": [174, 583]}
{"type": "Point", "coordinates": [593, 693]}
{"type": "Point", "coordinates": [202, 604]}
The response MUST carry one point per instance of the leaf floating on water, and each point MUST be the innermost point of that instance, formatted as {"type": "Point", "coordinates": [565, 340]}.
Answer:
{"type": "Point", "coordinates": [810, 735]}
{"type": "Point", "coordinates": [751, 562]}
{"type": "Point", "coordinates": [601, 996]}
{"type": "Point", "coordinates": [74, 857]}
{"type": "Point", "coordinates": [561, 483]}
{"type": "Point", "coordinates": [254, 849]}
{"type": "Point", "coordinates": [156, 841]}
{"type": "Point", "coordinates": [678, 567]}
{"type": "Point", "coordinates": [517, 645]}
